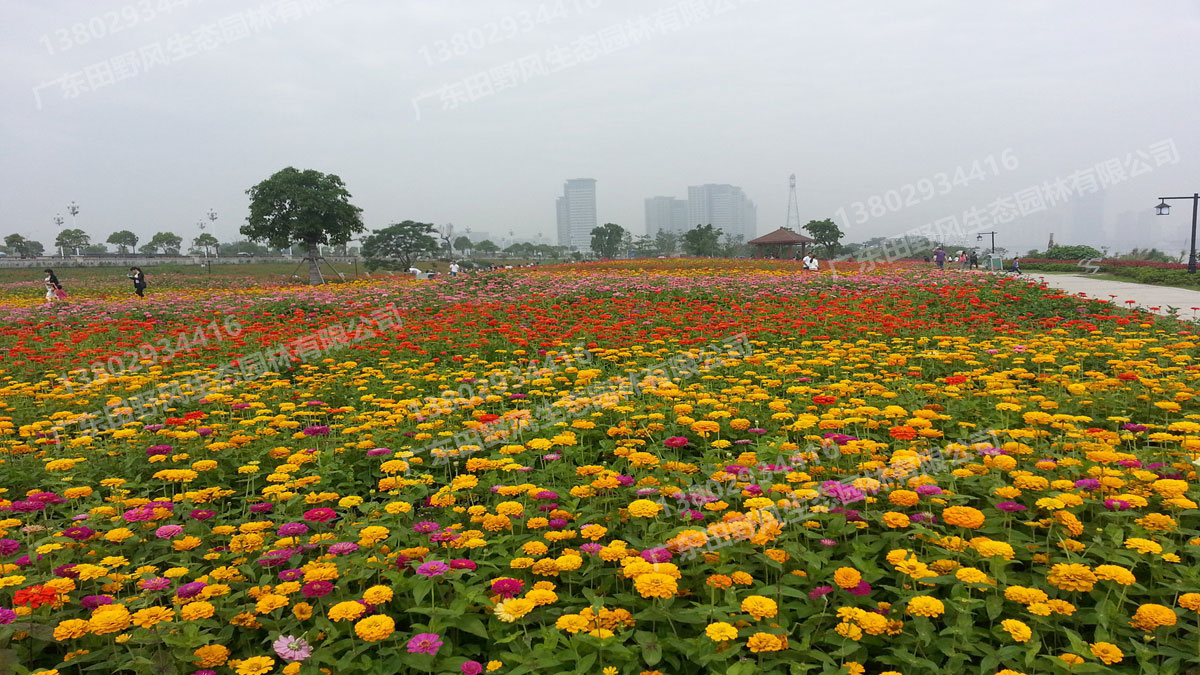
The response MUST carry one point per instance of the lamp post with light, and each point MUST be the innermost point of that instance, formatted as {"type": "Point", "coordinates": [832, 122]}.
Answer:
{"type": "Point", "coordinates": [58, 221]}
{"type": "Point", "coordinates": [980, 238]}
{"type": "Point", "coordinates": [1164, 208]}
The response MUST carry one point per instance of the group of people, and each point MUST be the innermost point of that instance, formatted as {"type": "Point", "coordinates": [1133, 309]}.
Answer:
{"type": "Point", "coordinates": [965, 260]}
{"type": "Point", "coordinates": [810, 262]}
{"type": "Point", "coordinates": [55, 291]}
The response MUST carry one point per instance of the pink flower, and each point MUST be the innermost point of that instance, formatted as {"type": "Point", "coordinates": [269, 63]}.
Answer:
{"type": "Point", "coordinates": [425, 643]}
{"type": "Point", "coordinates": [322, 514]}
{"type": "Point", "coordinates": [167, 531]}
{"type": "Point", "coordinates": [676, 442]}
{"type": "Point", "coordinates": [472, 668]}
{"type": "Point", "coordinates": [291, 648]}
{"type": "Point", "coordinates": [433, 568]}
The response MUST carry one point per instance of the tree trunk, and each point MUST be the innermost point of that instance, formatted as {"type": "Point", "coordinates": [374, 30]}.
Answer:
{"type": "Point", "coordinates": [314, 270]}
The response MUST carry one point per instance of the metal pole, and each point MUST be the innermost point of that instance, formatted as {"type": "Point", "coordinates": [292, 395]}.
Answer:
{"type": "Point", "coordinates": [1192, 250]}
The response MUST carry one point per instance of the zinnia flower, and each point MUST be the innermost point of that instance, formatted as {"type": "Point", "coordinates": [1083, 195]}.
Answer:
{"type": "Point", "coordinates": [291, 648]}
{"type": "Point", "coordinates": [425, 643]}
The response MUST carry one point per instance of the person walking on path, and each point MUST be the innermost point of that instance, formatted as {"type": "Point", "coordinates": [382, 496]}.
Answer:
{"type": "Point", "coordinates": [1016, 266]}
{"type": "Point", "coordinates": [54, 290]}
{"type": "Point", "coordinates": [139, 281]}
{"type": "Point", "coordinates": [974, 260]}
{"type": "Point", "coordinates": [939, 257]}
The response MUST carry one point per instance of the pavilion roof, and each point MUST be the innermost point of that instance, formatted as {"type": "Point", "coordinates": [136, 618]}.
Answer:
{"type": "Point", "coordinates": [782, 236]}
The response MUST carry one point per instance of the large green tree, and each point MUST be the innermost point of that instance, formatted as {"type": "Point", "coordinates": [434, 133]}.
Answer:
{"type": "Point", "coordinates": [826, 233]}
{"type": "Point", "coordinates": [606, 240]}
{"type": "Point", "coordinates": [308, 208]}
{"type": "Point", "coordinates": [462, 243]}
{"type": "Point", "coordinates": [205, 241]}
{"type": "Point", "coordinates": [486, 246]}
{"type": "Point", "coordinates": [26, 248]}
{"type": "Point", "coordinates": [72, 239]}
{"type": "Point", "coordinates": [124, 240]}
{"type": "Point", "coordinates": [166, 242]}
{"type": "Point", "coordinates": [666, 242]}
{"type": "Point", "coordinates": [702, 240]}
{"type": "Point", "coordinates": [396, 246]}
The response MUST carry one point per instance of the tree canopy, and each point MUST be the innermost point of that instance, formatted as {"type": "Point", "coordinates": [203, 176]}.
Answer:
{"type": "Point", "coordinates": [71, 239]}
{"type": "Point", "coordinates": [26, 248]}
{"type": "Point", "coordinates": [606, 240]}
{"type": "Point", "coordinates": [124, 240]}
{"type": "Point", "coordinates": [702, 240]}
{"type": "Point", "coordinates": [302, 207]}
{"type": "Point", "coordinates": [827, 234]}
{"type": "Point", "coordinates": [397, 245]}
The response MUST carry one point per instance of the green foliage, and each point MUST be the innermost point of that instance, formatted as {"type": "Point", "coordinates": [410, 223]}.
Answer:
{"type": "Point", "coordinates": [606, 240]}
{"type": "Point", "coordinates": [702, 240]}
{"type": "Point", "coordinates": [166, 242]}
{"type": "Point", "coordinates": [124, 240]}
{"type": "Point", "coordinates": [26, 248]}
{"type": "Point", "coordinates": [398, 244]}
{"type": "Point", "coordinates": [1077, 252]}
{"type": "Point", "coordinates": [827, 234]}
{"type": "Point", "coordinates": [665, 242]}
{"type": "Point", "coordinates": [71, 239]}
{"type": "Point", "coordinates": [302, 207]}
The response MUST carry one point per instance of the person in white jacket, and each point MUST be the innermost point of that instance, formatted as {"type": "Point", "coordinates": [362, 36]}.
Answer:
{"type": "Point", "coordinates": [813, 265]}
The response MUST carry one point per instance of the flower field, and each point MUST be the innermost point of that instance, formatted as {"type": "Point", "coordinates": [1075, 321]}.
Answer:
{"type": "Point", "coordinates": [670, 466]}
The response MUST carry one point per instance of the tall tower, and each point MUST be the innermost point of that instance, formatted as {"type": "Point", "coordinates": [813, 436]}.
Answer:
{"type": "Point", "coordinates": [793, 212]}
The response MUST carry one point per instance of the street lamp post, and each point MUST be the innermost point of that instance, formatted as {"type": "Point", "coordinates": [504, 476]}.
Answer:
{"type": "Point", "coordinates": [1164, 208]}
{"type": "Point", "coordinates": [212, 218]}
{"type": "Point", "coordinates": [980, 238]}
{"type": "Point", "coordinates": [58, 222]}
{"type": "Point", "coordinates": [73, 209]}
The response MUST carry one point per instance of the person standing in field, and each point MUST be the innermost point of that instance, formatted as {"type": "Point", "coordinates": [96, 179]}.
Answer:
{"type": "Point", "coordinates": [54, 290]}
{"type": "Point", "coordinates": [974, 260]}
{"type": "Point", "coordinates": [139, 281]}
{"type": "Point", "coordinates": [939, 257]}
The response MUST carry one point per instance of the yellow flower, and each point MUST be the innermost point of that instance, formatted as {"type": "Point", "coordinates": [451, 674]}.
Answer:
{"type": "Point", "coordinates": [847, 577]}
{"type": "Point", "coordinates": [720, 631]}
{"type": "Point", "coordinates": [760, 607]}
{"type": "Point", "coordinates": [211, 655]}
{"type": "Point", "coordinates": [656, 585]}
{"type": "Point", "coordinates": [346, 611]}
{"type": "Point", "coordinates": [1017, 629]}
{"type": "Point", "coordinates": [152, 616]}
{"type": "Point", "coordinates": [765, 642]}
{"type": "Point", "coordinates": [511, 610]}
{"type": "Point", "coordinates": [1107, 652]}
{"type": "Point", "coordinates": [644, 508]}
{"type": "Point", "coordinates": [1190, 601]}
{"type": "Point", "coordinates": [924, 605]}
{"type": "Point", "coordinates": [375, 628]}
{"type": "Point", "coordinates": [963, 516]}
{"type": "Point", "coordinates": [572, 623]}
{"type": "Point", "coordinates": [70, 629]}
{"type": "Point", "coordinates": [377, 595]}
{"type": "Point", "coordinates": [1072, 577]}
{"type": "Point", "coordinates": [256, 665]}
{"type": "Point", "coordinates": [196, 610]}
{"type": "Point", "coordinates": [1150, 616]}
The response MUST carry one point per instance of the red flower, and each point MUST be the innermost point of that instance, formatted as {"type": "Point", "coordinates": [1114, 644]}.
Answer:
{"type": "Point", "coordinates": [34, 596]}
{"type": "Point", "coordinates": [824, 399]}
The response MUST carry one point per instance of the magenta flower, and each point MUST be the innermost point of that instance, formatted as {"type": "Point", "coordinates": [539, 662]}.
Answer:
{"type": "Point", "coordinates": [425, 643]}
{"type": "Point", "coordinates": [343, 548]}
{"type": "Point", "coordinates": [155, 584]}
{"type": "Point", "coordinates": [472, 668]}
{"type": "Point", "coordinates": [426, 526]}
{"type": "Point", "coordinates": [656, 555]}
{"type": "Point", "coordinates": [322, 514]}
{"type": "Point", "coordinates": [292, 529]}
{"type": "Point", "coordinates": [1010, 507]}
{"type": "Point", "coordinates": [433, 568]}
{"type": "Point", "coordinates": [168, 531]}
{"type": "Point", "coordinates": [317, 589]}
{"type": "Point", "coordinates": [291, 648]}
{"type": "Point", "coordinates": [7, 616]}
{"type": "Point", "coordinates": [319, 430]}
{"type": "Point", "coordinates": [677, 442]}
{"type": "Point", "coordinates": [462, 564]}
{"type": "Point", "coordinates": [820, 591]}
{"type": "Point", "coordinates": [507, 588]}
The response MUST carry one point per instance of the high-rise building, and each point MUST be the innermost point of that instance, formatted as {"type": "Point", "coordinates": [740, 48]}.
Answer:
{"type": "Point", "coordinates": [577, 213]}
{"type": "Point", "coordinates": [725, 207]}
{"type": "Point", "coordinates": [667, 214]}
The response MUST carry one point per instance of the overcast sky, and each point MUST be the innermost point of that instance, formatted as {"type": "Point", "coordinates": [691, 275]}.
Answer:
{"type": "Point", "coordinates": [150, 112]}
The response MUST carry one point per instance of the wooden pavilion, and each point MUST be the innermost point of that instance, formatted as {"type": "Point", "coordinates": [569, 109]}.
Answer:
{"type": "Point", "coordinates": [778, 244]}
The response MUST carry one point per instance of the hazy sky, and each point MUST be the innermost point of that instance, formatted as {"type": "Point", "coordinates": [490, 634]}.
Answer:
{"type": "Point", "coordinates": [150, 112]}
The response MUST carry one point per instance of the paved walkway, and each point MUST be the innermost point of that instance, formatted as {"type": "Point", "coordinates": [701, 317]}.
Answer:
{"type": "Point", "coordinates": [1153, 298]}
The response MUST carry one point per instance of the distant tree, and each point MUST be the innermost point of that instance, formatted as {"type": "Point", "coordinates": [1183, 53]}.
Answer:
{"type": "Point", "coordinates": [733, 246]}
{"type": "Point", "coordinates": [445, 234]}
{"type": "Point", "coordinates": [644, 246]}
{"type": "Point", "coordinates": [462, 243]}
{"type": "Point", "coordinates": [606, 240]}
{"type": "Point", "coordinates": [148, 248]}
{"type": "Point", "coordinates": [1150, 254]}
{"type": "Point", "coordinates": [166, 242]}
{"type": "Point", "coordinates": [309, 208]}
{"type": "Point", "coordinates": [1076, 252]}
{"type": "Point", "coordinates": [486, 247]}
{"type": "Point", "coordinates": [245, 247]}
{"type": "Point", "coordinates": [72, 239]}
{"type": "Point", "coordinates": [205, 242]}
{"type": "Point", "coordinates": [627, 244]}
{"type": "Point", "coordinates": [95, 249]}
{"type": "Point", "coordinates": [124, 240]}
{"type": "Point", "coordinates": [827, 234]}
{"type": "Point", "coordinates": [25, 248]}
{"type": "Point", "coordinates": [396, 246]}
{"type": "Point", "coordinates": [702, 240]}
{"type": "Point", "coordinates": [666, 242]}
